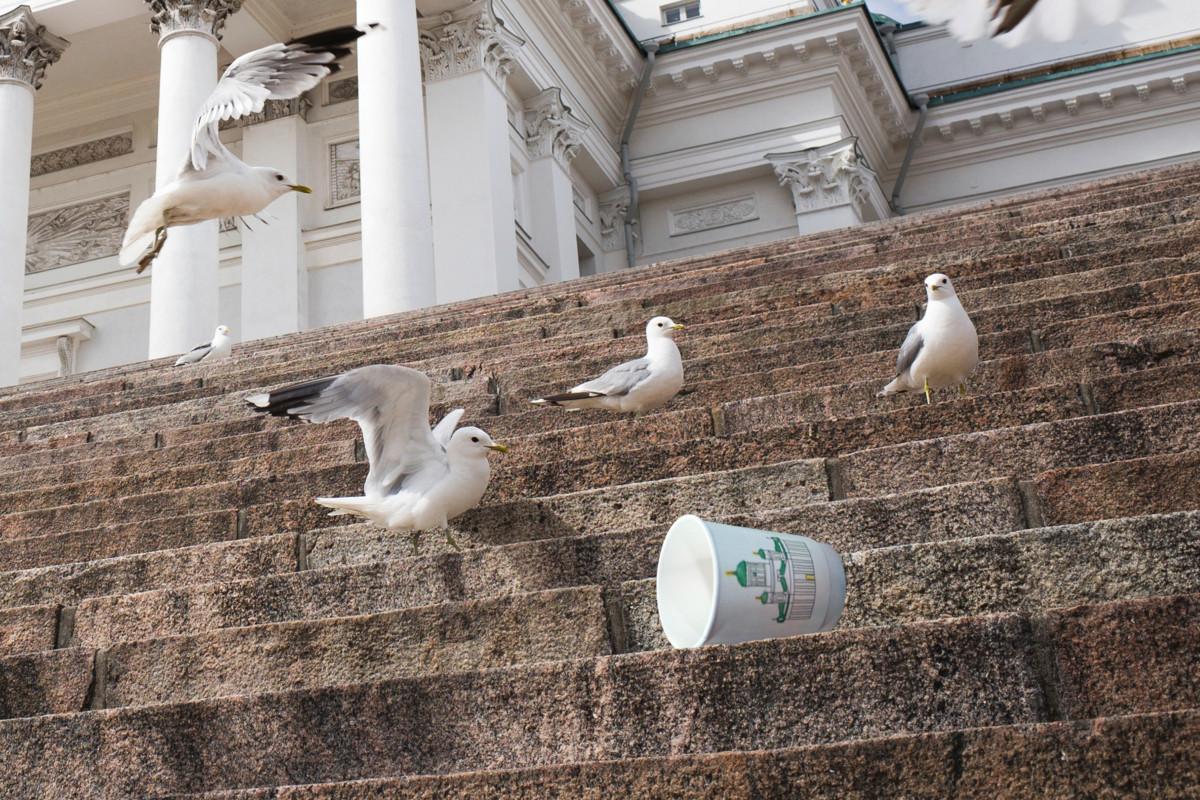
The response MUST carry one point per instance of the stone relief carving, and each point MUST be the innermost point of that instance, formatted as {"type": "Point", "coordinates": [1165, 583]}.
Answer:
{"type": "Point", "coordinates": [273, 109]}
{"type": "Point", "coordinates": [77, 233]}
{"type": "Point", "coordinates": [344, 178]}
{"type": "Point", "coordinates": [27, 48]}
{"type": "Point", "coordinates": [713, 215]}
{"type": "Point", "coordinates": [208, 16]}
{"type": "Point", "coordinates": [551, 128]}
{"type": "Point", "coordinates": [614, 208]}
{"type": "Point", "coordinates": [820, 177]}
{"type": "Point", "coordinates": [466, 40]}
{"type": "Point", "coordinates": [342, 91]}
{"type": "Point", "coordinates": [77, 155]}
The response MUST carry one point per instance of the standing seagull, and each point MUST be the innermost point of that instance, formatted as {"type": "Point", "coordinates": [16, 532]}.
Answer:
{"type": "Point", "coordinates": [213, 183]}
{"type": "Point", "coordinates": [637, 386]}
{"type": "Point", "coordinates": [1011, 21]}
{"type": "Point", "coordinates": [220, 347]}
{"type": "Point", "coordinates": [419, 478]}
{"type": "Point", "coordinates": [942, 349]}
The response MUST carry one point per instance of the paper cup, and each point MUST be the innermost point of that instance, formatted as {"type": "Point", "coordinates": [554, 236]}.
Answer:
{"type": "Point", "coordinates": [721, 584]}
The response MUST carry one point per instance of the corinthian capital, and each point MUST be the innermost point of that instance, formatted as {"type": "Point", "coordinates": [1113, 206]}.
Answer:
{"type": "Point", "coordinates": [27, 48]}
{"type": "Point", "coordinates": [830, 176]}
{"type": "Point", "coordinates": [551, 129]}
{"type": "Point", "coordinates": [472, 38]}
{"type": "Point", "coordinates": [203, 16]}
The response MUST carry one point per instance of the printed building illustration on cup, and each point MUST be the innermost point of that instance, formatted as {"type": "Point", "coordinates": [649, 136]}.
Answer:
{"type": "Point", "coordinates": [787, 576]}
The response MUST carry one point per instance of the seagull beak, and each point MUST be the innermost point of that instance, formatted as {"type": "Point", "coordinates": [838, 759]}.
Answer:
{"type": "Point", "coordinates": [299, 187]}
{"type": "Point", "coordinates": [676, 327]}
{"type": "Point", "coordinates": [499, 448]}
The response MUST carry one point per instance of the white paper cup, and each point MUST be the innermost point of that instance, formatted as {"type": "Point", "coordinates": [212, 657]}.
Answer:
{"type": "Point", "coordinates": [721, 584]}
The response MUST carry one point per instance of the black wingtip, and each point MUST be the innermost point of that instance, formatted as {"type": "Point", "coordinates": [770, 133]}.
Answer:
{"type": "Point", "coordinates": [566, 397]}
{"type": "Point", "coordinates": [334, 40]}
{"type": "Point", "coordinates": [280, 402]}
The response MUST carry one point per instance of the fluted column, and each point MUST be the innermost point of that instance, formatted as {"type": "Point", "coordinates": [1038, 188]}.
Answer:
{"type": "Point", "coordinates": [183, 280]}
{"type": "Point", "coordinates": [26, 49]}
{"type": "Point", "coordinates": [553, 135]}
{"type": "Point", "coordinates": [397, 233]}
{"type": "Point", "coordinates": [467, 56]}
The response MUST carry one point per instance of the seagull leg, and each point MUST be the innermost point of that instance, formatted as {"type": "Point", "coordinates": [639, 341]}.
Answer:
{"type": "Point", "coordinates": [450, 538]}
{"type": "Point", "coordinates": [260, 219]}
{"type": "Point", "coordinates": [962, 390]}
{"type": "Point", "coordinates": [928, 396]}
{"type": "Point", "coordinates": [160, 238]}
{"type": "Point", "coordinates": [415, 538]}
{"type": "Point", "coordinates": [246, 223]}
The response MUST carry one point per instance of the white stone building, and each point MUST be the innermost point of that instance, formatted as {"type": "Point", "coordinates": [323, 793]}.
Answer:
{"type": "Point", "coordinates": [474, 148]}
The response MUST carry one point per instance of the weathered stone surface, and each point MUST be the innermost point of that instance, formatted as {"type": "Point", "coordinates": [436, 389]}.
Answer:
{"type": "Point", "coordinates": [1154, 484]}
{"type": "Point", "coordinates": [27, 629]}
{"type": "Point", "coordinates": [55, 682]}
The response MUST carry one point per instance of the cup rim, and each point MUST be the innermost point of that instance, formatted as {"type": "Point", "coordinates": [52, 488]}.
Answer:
{"type": "Point", "coordinates": [715, 602]}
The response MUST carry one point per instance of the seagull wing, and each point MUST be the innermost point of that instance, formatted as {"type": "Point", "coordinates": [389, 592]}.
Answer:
{"type": "Point", "coordinates": [909, 350]}
{"type": "Point", "coordinates": [619, 380]}
{"type": "Point", "coordinates": [196, 354]}
{"type": "Point", "coordinates": [390, 405]}
{"type": "Point", "coordinates": [445, 428]}
{"type": "Point", "coordinates": [278, 71]}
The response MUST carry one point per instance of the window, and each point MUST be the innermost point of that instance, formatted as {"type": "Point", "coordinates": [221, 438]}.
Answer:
{"type": "Point", "coordinates": [680, 12]}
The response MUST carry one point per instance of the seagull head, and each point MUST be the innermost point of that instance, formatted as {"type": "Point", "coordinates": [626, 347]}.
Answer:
{"type": "Point", "coordinates": [222, 330]}
{"type": "Point", "coordinates": [938, 287]}
{"type": "Point", "coordinates": [662, 327]}
{"type": "Point", "coordinates": [278, 183]}
{"type": "Point", "coordinates": [472, 443]}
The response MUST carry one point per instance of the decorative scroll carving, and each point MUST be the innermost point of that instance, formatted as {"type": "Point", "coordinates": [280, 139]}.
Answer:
{"type": "Point", "coordinates": [77, 233]}
{"type": "Point", "coordinates": [342, 91]}
{"type": "Point", "coordinates": [713, 215]}
{"type": "Point", "coordinates": [274, 109]}
{"type": "Point", "coordinates": [345, 185]}
{"type": "Point", "coordinates": [463, 41]}
{"type": "Point", "coordinates": [551, 128]}
{"type": "Point", "coordinates": [27, 48]}
{"type": "Point", "coordinates": [77, 155]}
{"type": "Point", "coordinates": [206, 16]}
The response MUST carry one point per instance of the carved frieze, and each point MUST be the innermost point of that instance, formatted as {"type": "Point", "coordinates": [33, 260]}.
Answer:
{"type": "Point", "coordinates": [466, 40]}
{"type": "Point", "coordinates": [342, 91]}
{"type": "Point", "coordinates": [81, 232]}
{"type": "Point", "coordinates": [713, 215]}
{"type": "Point", "coordinates": [345, 185]}
{"type": "Point", "coordinates": [551, 128]}
{"type": "Point", "coordinates": [273, 109]}
{"type": "Point", "coordinates": [27, 48]}
{"type": "Point", "coordinates": [120, 144]}
{"type": "Point", "coordinates": [205, 16]}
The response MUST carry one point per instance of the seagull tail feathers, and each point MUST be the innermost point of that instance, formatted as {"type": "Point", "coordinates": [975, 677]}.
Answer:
{"type": "Point", "coordinates": [566, 397]}
{"type": "Point", "coordinates": [346, 506]}
{"type": "Point", "coordinates": [894, 387]}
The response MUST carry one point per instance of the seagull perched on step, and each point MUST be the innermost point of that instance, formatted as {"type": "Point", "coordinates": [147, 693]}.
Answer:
{"type": "Point", "coordinates": [637, 386]}
{"type": "Point", "coordinates": [419, 479]}
{"type": "Point", "coordinates": [942, 349]}
{"type": "Point", "coordinates": [213, 183]}
{"type": "Point", "coordinates": [1012, 21]}
{"type": "Point", "coordinates": [220, 347]}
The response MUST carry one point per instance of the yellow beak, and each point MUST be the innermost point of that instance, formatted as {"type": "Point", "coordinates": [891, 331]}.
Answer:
{"type": "Point", "coordinates": [676, 327]}
{"type": "Point", "coordinates": [299, 187]}
{"type": "Point", "coordinates": [499, 448]}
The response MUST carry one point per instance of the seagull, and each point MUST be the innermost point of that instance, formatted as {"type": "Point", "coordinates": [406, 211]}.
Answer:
{"type": "Point", "coordinates": [942, 349]}
{"type": "Point", "coordinates": [419, 478]}
{"type": "Point", "coordinates": [213, 183]}
{"type": "Point", "coordinates": [637, 386]}
{"type": "Point", "coordinates": [1011, 21]}
{"type": "Point", "coordinates": [220, 347]}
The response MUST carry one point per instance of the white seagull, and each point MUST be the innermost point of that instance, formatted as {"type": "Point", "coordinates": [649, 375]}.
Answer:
{"type": "Point", "coordinates": [213, 183]}
{"type": "Point", "coordinates": [637, 386]}
{"type": "Point", "coordinates": [942, 349]}
{"type": "Point", "coordinates": [220, 347]}
{"type": "Point", "coordinates": [419, 479]}
{"type": "Point", "coordinates": [1012, 21]}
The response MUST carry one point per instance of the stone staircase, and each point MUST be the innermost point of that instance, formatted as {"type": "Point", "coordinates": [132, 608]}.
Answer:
{"type": "Point", "coordinates": [178, 619]}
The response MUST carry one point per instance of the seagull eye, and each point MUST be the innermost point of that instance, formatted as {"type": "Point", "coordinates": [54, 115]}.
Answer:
{"type": "Point", "coordinates": [660, 324]}
{"type": "Point", "coordinates": [475, 439]}
{"type": "Point", "coordinates": [279, 178]}
{"type": "Point", "coordinates": [944, 281]}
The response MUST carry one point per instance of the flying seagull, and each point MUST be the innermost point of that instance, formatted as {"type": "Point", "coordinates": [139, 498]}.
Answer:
{"type": "Point", "coordinates": [637, 386]}
{"type": "Point", "coordinates": [419, 479]}
{"type": "Point", "coordinates": [942, 349]}
{"type": "Point", "coordinates": [213, 183]}
{"type": "Point", "coordinates": [1011, 21]}
{"type": "Point", "coordinates": [220, 347]}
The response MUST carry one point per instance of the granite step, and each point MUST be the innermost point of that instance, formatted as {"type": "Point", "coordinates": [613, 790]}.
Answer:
{"type": "Point", "coordinates": [1069, 664]}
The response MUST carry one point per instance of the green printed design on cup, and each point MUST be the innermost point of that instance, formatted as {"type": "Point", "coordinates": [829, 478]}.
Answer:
{"type": "Point", "coordinates": [787, 577]}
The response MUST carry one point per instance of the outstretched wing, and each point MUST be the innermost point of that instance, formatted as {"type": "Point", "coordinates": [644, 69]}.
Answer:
{"type": "Point", "coordinates": [390, 405]}
{"type": "Point", "coordinates": [619, 380]}
{"type": "Point", "coordinates": [445, 428]}
{"type": "Point", "coordinates": [278, 71]}
{"type": "Point", "coordinates": [909, 350]}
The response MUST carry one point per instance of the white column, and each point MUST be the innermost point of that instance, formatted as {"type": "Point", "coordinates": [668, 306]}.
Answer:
{"type": "Point", "coordinates": [832, 187]}
{"type": "Point", "coordinates": [466, 57]}
{"type": "Point", "coordinates": [183, 279]}
{"type": "Point", "coordinates": [274, 278]}
{"type": "Point", "coordinates": [397, 235]}
{"type": "Point", "coordinates": [28, 49]}
{"type": "Point", "coordinates": [553, 135]}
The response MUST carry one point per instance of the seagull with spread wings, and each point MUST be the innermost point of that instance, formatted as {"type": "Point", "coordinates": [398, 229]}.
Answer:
{"type": "Point", "coordinates": [213, 183]}
{"type": "Point", "coordinates": [941, 349]}
{"type": "Point", "coordinates": [419, 479]}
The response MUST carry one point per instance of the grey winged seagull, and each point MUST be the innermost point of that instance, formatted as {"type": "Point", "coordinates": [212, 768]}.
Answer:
{"type": "Point", "coordinates": [637, 386]}
{"type": "Point", "coordinates": [419, 478]}
{"type": "Point", "coordinates": [220, 347]}
{"type": "Point", "coordinates": [941, 349]}
{"type": "Point", "coordinates": [213, 183]}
